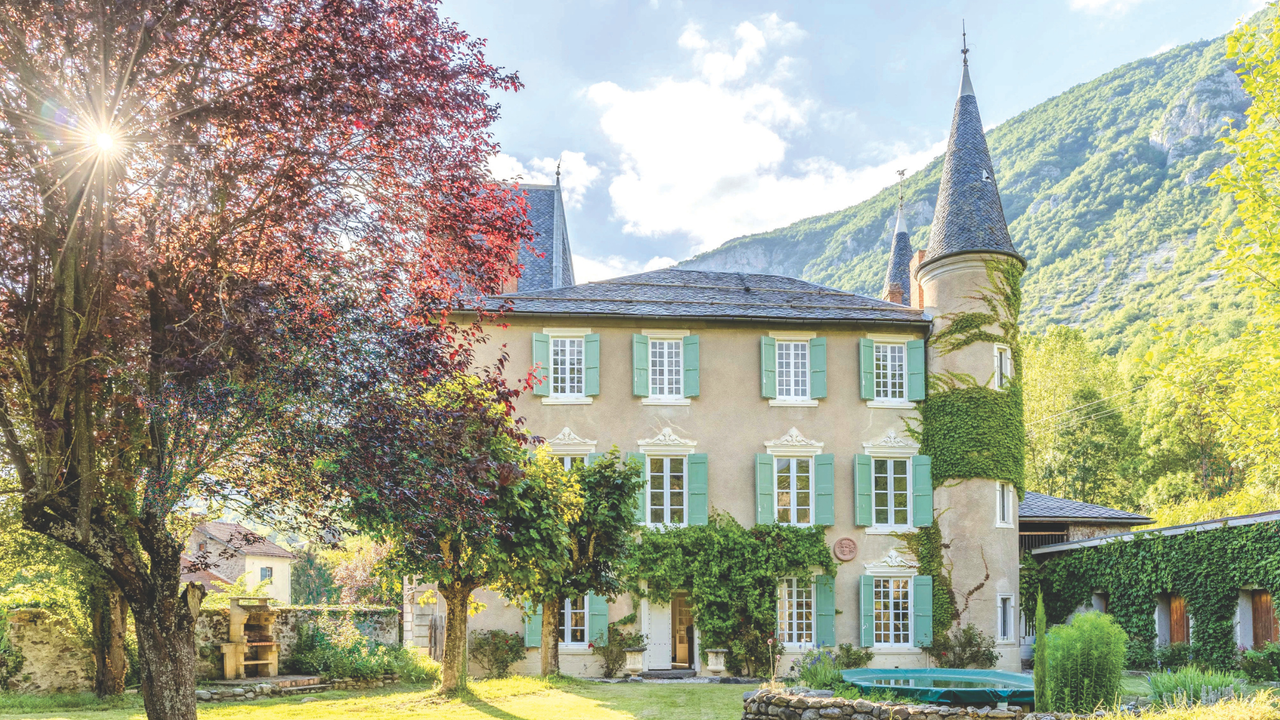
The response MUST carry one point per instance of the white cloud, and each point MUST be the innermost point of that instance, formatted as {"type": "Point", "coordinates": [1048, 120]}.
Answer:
{"type": "Point", "coordinates": [708, 155]}
{"type": "Point", "coordinates": [1163, 49]}
{"type": "Point", "coordinates": [576, 174]}
{"type": "Point", "coordinates": [587, 269]}
{"type": "Point", "coordinates": [1108, 7]}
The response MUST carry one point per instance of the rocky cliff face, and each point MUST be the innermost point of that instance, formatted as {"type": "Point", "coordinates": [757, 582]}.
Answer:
{"type": "Point", "coordinates": [1103, 189]}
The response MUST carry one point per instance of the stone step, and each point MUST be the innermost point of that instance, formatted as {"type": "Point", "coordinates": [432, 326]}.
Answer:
{"type": "Point", "coordinates": [302, 689]}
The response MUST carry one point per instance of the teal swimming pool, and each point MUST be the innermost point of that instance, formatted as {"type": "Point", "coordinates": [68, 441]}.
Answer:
{"type": "Point", "coordinates": [956, 687]}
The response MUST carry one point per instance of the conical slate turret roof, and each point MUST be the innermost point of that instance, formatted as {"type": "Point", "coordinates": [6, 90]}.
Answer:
{"type": "Point", "coordinates": [899, 262]}
{"type": "Point", "coordinates": [969, 217]}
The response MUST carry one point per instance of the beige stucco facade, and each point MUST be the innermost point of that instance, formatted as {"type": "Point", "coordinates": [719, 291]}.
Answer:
{"type": "Point", "coordinates": [731, 422]}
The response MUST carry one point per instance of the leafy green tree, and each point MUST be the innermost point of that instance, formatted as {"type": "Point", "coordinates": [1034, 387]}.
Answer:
{"type": "Point", "coordinates": [1088, 462]}
{"type": "Point", "coordinates": [600, 539]}
{"type": "Point", "coordinates": [311, 577]}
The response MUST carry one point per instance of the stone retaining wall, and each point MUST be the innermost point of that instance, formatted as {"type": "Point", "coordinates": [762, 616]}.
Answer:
{"type": "Point", "coordinates": [798, 704]}
{"type": "Point", "coordinates": [54, 656]}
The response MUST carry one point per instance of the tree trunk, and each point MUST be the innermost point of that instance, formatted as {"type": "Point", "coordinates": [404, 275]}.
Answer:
{"type": "Point", "coordinates": [166, 630]}
{"type": "Point", "coordinates": [551, 635]}
{"type": "Point", "coordinates": [110, 618]}
{"type": "Point", "coordinates": [457, 599]}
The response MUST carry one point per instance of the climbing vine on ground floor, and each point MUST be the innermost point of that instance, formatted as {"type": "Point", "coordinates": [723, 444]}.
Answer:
{"type": "Point", "coordinates": [732, 575]}
{"type": "Point", "coordinates": [926, 545]}
{"type": "Point", "coordinates": [1208, 568]}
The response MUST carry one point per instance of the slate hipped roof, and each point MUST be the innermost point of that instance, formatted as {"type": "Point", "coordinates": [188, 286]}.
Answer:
{"type": "Point", "coordinates": [968, 217]}
{"type": "Point", "coordinates": [899, 262]}
{"type": "Point", "coordinates": [1036, 506]}
{"type": "Point", "coordinates": [546, 213]}
{"type": "Point", "coordinates": [671, 293]}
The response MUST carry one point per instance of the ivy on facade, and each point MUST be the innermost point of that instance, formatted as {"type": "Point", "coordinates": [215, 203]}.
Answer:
{"type": "Point", "coordinates": [1208, 568]}
{"type": "Point", "coordinates": [731, 574]}
{"type": "Point", "coordinates": [927, 546]}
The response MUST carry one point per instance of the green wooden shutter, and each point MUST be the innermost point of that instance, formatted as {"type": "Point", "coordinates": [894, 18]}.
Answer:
{"type": "Point", "coordinates": [591, 364]}
{"type": "Point", "coordinates": [922, 604]}
{"type": "Point", "coordinates": [597, 619]}
{"type": "Point", "coordinates": [825, 600]}
{"type": "Point", "coordinates": [867, 368]}
{"type": "Point", "coordinates": [764, 489]}
{"type": "Point", "coordinates": [915, 370]}
{"type": "Point", "coordinates": [862, 514]}
{"type": "Point", "coordinates": [697, 469]}
{"type": "Point", "coordinates": [818, 368]}
{"type": "Point", "coordinates": [866, 606]}
{"type": "Point", "coordinates": [640, 365]}
{"type": "Point", "coordinates": [533, 627]}
{"type": "Point", "coordinates": [922, 491]}
{"type": "Point", "coordinates": [768, 368]}
{"type": "Point", "coordinates": [542, 359]}
{"type": "Point", "coordinates": [691, 362]}
{"type": "Point", "coordinates": [592, 457]}
{"type": "Point", "coordinates": [824, 499]}
{"type": "Point", "coordinates": [642, 512]}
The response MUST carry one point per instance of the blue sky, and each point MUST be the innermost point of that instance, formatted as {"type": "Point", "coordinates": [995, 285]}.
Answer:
{"type": "Point", "coordinates": [684, 124]}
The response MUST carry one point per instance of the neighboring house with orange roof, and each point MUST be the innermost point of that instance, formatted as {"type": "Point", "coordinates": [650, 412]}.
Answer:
{"type": "Point", "coordinates": [222, 545]}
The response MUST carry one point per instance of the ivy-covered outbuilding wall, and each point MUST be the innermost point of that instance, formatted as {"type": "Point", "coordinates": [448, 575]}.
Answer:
{"type": "Point", "coordinates": [1208, 567]}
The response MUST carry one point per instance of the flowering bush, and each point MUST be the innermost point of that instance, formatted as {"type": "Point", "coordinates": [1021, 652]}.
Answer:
{"type": "Point", "coordinates": [964, 647]}
{"type": "Point", "coordinates": [497, 650]}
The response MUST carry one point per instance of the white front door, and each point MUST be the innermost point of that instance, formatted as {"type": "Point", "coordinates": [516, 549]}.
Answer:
{"type": "Point", "coordinates": [657, 631]}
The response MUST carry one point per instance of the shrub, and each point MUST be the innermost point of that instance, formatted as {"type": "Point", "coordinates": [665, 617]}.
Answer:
{"type": "Point", "coordinates": [752, 653]}
{"type": "Point", "coordinates": [11, 659]}
{"type": "Point", "coordinates": [964, 647]}
{"type": "Point", "coordinates": [817, 669]}
{"type": "Point", "coordinates": [333, 647]}
{"type": "Point", "coordinates": [1173, 656]}
{"type": "Point", "coordinates": [1261, 665]}
{"type": "Point", "coordinates": [1085, 663]}
{"type": "Point", "coordinates": [1187, 685]}
{"type": "Point", "coordinates": [613, 654]}
{"type": "Point", "coordinates": [496, 651]}
{"type": "Point", "coordinates": [850, 657]}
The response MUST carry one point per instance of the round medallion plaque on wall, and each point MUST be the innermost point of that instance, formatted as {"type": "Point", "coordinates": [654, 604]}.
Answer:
{"type": "Point", "coordinates": [845, 549]}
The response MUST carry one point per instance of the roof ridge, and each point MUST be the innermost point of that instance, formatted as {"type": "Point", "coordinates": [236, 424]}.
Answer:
{"type": "Point", "coordinates": [891, 306]}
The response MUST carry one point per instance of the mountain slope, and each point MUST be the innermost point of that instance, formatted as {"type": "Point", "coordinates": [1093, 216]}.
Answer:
{"type": "Point", "coordinates": [1104, 190]}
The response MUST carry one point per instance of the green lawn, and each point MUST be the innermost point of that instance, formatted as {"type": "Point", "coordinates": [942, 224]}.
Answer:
{"type": "Point", "coordinates": [511, 699]}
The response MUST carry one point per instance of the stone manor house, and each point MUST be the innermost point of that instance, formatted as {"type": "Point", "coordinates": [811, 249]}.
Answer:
{"type": "Point", "coordinates": [777, 401]}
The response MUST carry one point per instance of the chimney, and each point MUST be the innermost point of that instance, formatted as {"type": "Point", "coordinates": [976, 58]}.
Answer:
{"type": "Point", "coordinates": [917, 292]}
{"type": "Point", "coordinates": [893, 293]}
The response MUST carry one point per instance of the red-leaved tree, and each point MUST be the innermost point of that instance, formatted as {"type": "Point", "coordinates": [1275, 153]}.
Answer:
{"type": "Point", "coordinates": [201, 203]}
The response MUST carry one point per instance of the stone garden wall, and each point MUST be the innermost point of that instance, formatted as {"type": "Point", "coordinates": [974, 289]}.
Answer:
{"type": "Point", "coordinates": [380, 625]}
{"type": "Point", "coordinates": [54, 656]}
{"type": "Point", "coordinates": [801, 704]}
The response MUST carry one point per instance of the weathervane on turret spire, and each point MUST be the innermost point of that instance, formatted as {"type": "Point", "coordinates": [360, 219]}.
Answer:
{"type": "Point", "coordinates": [902, 175]}
{"type": "Point", "coordinates": [964, 43]}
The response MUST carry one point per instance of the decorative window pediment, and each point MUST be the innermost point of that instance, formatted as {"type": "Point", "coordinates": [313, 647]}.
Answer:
{"type": "Point", "coordinates": [793, 443]}
{"type": "Point", "coordinates": [891, 445]}
{"type": "Point", "coordinates": [666, 443]}
{"type": "Point", "coordinates": [568, 443]}
{"type": "Point", "coordinates": [893, 563]}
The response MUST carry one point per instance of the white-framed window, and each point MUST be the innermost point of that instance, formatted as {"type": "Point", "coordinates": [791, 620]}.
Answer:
{"type": "Point", "coordinates": [891, 372]}
{"type": "Point", "coordinates": [892, 607]}
{"type": "Point", "coordinates": [668, 491]}
{"type": "Point", "coordinates": [573, 621]}
{"type": "Point", "coordinates": [1004, 504]}
{"type": "Point", "coordinates": [793, 490]}
{"type": "Point", "coordinates": [792, 370]}
{"type": "Point", "coordinates": [795, 612]}
{"type": "Point", "coordinates": [568, 372]}
{"type": "Point", "coordinates": [1004, 366]}
{"type": "Point", "coordinates": [572, 461]}
{"type": "Point", "coordinates": [1004, 618]}
{"type": "Point", "coordinates": [891, 492]}
{"type": "Point", "coordinates": [266, 574]}
{"type": "Point", "coordinates": [666, 369]}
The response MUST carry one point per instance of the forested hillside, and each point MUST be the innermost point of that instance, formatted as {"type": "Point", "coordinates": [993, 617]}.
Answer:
{"type": "Point", "coordinates": [1104, 190]}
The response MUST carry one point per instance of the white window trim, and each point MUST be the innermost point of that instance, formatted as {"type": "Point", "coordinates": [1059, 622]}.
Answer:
{"type": "Point", "coordinates": [890, 339]}
{"type": "Point", "coordinates": [895, 566]}
{"type": "Point", "coordinates": [892, 447]}
{"type": "Point", "coordinates": [813, 487]}
{"type": "Point", "coordinates": [1012, 637]}
{"type": "Point", "coordinates": [582, 648]}
{"type": "Point", "coordinates": [667, 335]}
{"type": "Point", "coordinates": [647, 490]}
{"type": "Point", "coordinates": [794, 647]}
{"type": "Point", "coordinates": [568, 443]}
{"type": "Point", "coordinates": [795, 336]}
{"type": "Point", "coordinates": [563, 334]}
{"type": "Point", "coordinates": [995, 375]}
{"type": "Point", "coordinates": [1010, 508]}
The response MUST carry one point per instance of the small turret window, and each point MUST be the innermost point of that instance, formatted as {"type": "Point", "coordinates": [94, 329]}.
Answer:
{"type": "Point", "coordinates": [1004, 367]}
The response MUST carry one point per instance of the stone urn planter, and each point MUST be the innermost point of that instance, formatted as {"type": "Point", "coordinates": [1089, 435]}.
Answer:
{"type": "Point", "coordinates": [635, 660]}
{"type": "Point", "coordinates": [715, 660]}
